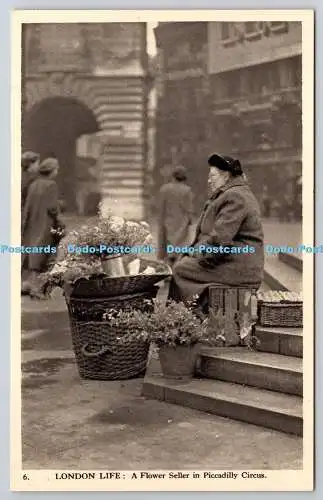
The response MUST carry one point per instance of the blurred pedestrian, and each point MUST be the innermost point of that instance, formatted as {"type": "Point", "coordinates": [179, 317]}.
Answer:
{"type": "Point", "coordinates": [29, 171]}
{"type": "Point", "coordinates": [175, 215]}
{"type": "Point", "coordinates": [41, 223]}
{"type": "Point", "coordinates": [86, 183]}
{"type": "Point", "coordinates": [265, 202]}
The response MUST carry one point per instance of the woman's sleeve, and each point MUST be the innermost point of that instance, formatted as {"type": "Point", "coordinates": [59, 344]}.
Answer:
{"type": "Point", "coordinates": [228, 220]}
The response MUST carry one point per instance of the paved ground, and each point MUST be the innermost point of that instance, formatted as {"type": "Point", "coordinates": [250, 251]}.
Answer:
{"type": "Point", "coordinates": [74, 424]}
{"type": "Point", "coordinates": [69, 423]}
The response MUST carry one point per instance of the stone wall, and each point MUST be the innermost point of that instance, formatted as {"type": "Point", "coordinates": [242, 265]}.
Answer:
{"type": "Point", "coordinates": [239, 93]}
{"type": "Point", "coordinates": [104, 67]}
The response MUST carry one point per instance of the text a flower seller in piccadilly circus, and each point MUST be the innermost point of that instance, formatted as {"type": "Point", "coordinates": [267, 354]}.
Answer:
{"type": "Point", "coordinates": [230, 219]}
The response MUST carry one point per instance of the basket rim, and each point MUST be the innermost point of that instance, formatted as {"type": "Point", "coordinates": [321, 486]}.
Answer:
{"type": "Point", "coordinates": [281, 304]}
{"type": "Point", "coordinates": [130, 277]}
{"type": "Point", "coordinates": [113, 298]}
{"type": "Point", "coordinates": [251, 286]}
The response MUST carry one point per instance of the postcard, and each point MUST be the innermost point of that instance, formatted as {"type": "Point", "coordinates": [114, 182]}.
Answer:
{"type": "Point", "coordinates": [163, 163]}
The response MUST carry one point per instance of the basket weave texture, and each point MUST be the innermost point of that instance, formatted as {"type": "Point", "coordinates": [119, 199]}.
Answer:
{"type": "Point", "coordinates": [103, 352]}
{"type": "Point", "coordinates": [281, 309]}
{"type": "Point", "coordinates": [282, 315]}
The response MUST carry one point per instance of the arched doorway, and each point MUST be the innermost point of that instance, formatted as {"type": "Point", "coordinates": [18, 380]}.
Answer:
{"type": "Point", "coordinates": [52, 126]}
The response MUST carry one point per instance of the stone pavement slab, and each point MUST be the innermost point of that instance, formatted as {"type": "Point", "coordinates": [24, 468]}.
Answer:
{"type": "Point", "coordinates": [70, 423]}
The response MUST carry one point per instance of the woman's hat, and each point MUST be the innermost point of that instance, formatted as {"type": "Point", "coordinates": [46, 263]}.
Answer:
{"type": "Point", "coordinates": [226, 163]}
{"type": "Point", "coordinates": [28, 158]}
{"type": "Point", "coordinates": [48, 165]}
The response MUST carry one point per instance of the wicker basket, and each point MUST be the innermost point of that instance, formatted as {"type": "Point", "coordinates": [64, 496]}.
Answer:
{"type": "Point", "coordinates": [102, 352]}
{"type": "Point", "coordinates": [281, 314]}
{"type": "Point", "coordinates": [84, 309]}
{"type": "Point", "coordinates": [104, 286]}
{"type": "Point", "coordinates": [105, 354]}
{"type": "Point", "coordinates": [280, 308]}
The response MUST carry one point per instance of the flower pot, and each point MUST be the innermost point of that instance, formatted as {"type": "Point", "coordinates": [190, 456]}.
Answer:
{"type": "Point", "coordinates": [113, 265]}
{"type": "Point", "coordinates": [178, 362]}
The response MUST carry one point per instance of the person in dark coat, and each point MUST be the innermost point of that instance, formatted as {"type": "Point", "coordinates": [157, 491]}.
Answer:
{"type": "Point", "coordinates": [230, 219]}
{"type": "Point", "coordinates": [40, 217]}
{"type": "Point", "coordinates": [175, 213]}
{"type": "Point", "coordinates": [29, 171]}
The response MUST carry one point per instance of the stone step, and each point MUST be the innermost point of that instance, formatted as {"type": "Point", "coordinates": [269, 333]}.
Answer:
{"type": "Point", "coordinates": [285, 341]}
{"type": "Point", "coordinates": [292, 260]}
{"type": "Point", "coordinates": [239, 365]}
{"type": "Point", "coordinates": [280, 276]}
{"type": "Point", "coordinates": [54, 338]}
{"type": "Point", "coordinates": [44, 314]}
{"type": "Point", "coordinates": [261, 407]}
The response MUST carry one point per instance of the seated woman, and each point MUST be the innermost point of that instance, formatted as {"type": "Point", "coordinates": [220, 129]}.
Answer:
{"type": "Point", "coordinates": [230, 223]}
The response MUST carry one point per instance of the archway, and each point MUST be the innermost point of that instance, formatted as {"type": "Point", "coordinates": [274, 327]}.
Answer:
{"type": "Point", "coordinates": [52, 126]}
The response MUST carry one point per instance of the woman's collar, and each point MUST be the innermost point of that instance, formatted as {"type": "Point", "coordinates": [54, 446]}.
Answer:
{"type": "Point", "coordinates": [234, 181]}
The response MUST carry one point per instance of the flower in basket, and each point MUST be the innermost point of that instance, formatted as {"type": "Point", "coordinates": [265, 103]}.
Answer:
{"type": "Point", "coordinates": [111, 231]}
{"type": "Point", "coordinates": [133, 323]}
{"type": "Point", "coordinates": [137, 233]}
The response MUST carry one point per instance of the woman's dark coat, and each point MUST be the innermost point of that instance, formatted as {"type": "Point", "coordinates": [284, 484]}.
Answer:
{"type": "Point", "coordinates": [39, 216]}
{"type": "Point", "coordinates": [230, 217]}
{"type": "Point", "coordinates": [26, 179]}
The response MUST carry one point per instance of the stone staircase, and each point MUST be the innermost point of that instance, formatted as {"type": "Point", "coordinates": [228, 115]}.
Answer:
{"type": "Point", "coordinates": [262, 388]}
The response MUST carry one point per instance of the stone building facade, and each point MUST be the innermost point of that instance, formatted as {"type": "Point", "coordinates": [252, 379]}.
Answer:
{"type": "Point", "coordinates": [85, 85]}
{"type": "Point", "coordinates": [235, 88]}
{"type": "Point", "coordinates": [183, 113]}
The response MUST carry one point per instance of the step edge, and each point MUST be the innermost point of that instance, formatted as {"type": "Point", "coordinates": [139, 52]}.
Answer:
{"type": "Point", "coordinates": [274, 282]}
{"type": "Point", "coordinates": [227, 357]}
{"type": "Point", "coordinates": [292, 261]}
{"type": "Point", "coordinates": [154, 380]}
{"type": "Point", "coordinates": [276, 331]}
{"type": "Point", "coordinates": [275, 264]}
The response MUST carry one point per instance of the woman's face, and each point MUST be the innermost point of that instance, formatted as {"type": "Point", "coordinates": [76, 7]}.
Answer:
{"type": "Point", "coordinates": [217, 178]}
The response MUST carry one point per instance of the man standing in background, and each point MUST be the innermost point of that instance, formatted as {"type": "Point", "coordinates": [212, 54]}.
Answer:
{"type": "Point", "coordinates": [86, 183]}
{"type": "Point", "coordinates": [176, 212]}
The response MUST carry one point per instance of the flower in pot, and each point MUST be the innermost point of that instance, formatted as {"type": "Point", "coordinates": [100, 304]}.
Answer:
{"type": "Point", "coordinates": [177, 332]}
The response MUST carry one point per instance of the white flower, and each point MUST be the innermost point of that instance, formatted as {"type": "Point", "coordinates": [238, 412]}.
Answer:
{"type": "Point", "coordinates": [145, 225]}
{"type": "Point", "coordinates": [148, 240]}
{"type": "Point", "coordinates": [58, 268]}
{"type": "Point", "coordinates": [116, 222]}
{"type": "Point", "coordinates": [131, 224]}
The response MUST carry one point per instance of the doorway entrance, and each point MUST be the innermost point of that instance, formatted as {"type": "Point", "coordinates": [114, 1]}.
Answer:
{"type": "Point", "coordinates": [53, 126]}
